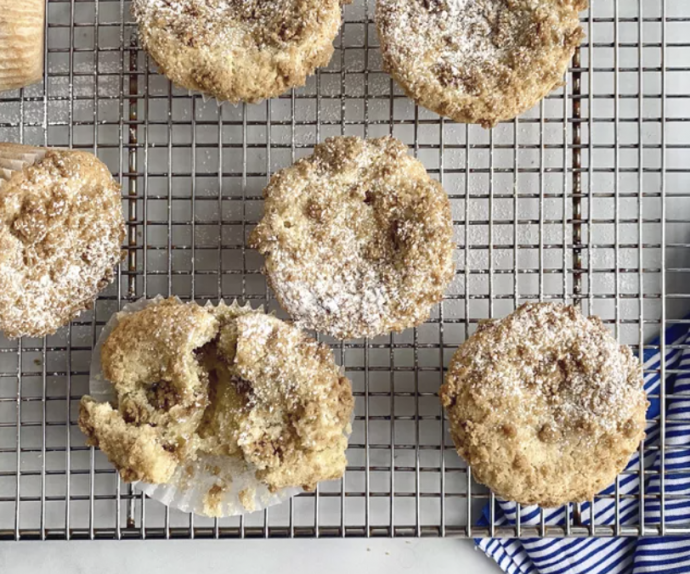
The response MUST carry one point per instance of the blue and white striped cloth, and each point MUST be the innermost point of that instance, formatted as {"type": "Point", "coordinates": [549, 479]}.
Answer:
{"type": "Point", "coordinates": [665, 555]}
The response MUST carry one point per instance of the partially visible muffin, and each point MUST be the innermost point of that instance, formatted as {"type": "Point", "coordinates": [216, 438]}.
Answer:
{"type": "Point", "coordinates": [235, 50]}
{"type": "Point", "coordinates": [478, 61]}
{"type": "Point", "coordinates": [22, 36]}
{"type": "Point", "coordinates": [61, 232]}
{"type": "Point", "coordinates": [545, 405]}
{"type": "Point", "coordinates": [358, 238]}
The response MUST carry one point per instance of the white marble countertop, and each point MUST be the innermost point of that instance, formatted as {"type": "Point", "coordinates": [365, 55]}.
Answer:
{"type": "Point", "coordinates": [382, 556]}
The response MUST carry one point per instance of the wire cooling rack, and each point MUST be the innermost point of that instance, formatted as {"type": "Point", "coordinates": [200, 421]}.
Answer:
{"type": "Point", "coordinates": [583, 199]}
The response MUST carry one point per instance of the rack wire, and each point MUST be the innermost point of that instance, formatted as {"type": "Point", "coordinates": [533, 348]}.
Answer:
{"type": "Point", "coordinates": [583, 199]}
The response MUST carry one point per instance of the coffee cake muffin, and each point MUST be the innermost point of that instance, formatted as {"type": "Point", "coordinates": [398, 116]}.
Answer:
{"type": "Point", "coordinates": [545, 405]}
{"type": "Point", "coordinates": [358, 238]}
{"type": "Point", "coordinates": [478, 61]}
{"type": "Point", "coordinates": [61, 231]}
{"type": "Point", "coordinates": [224, 382]}
{"type": "Point", "coordinates": [238, 50]}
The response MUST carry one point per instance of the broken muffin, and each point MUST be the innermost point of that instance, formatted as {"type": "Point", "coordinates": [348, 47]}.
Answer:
{"type": "Point", "coordinates": [223, 381]}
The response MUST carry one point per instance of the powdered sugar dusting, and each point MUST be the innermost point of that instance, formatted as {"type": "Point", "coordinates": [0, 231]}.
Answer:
{"type": "Point", "coordinates": [238, 50]}
{"type": "Point", "coordinates": [357, 238]}
{"type": "Point", "coordinates": [61, 230]}
{"type": "Point", "coordinates": [478, 61]}
{"type": "Point", "coordinates": [280, 361]}
{"type": "Point", "coordinates": [564, 369]}
{"type": "Point", "coordinates": [223, 22]}
{"type": "Point", "coordinates": [454, 40]}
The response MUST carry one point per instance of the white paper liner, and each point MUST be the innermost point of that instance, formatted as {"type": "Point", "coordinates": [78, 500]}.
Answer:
{"type": "Point", "coordinates": [206, 98]}
{"type": "Point", "coordinates": [192, 485]}
{"type": "Point", "coordinates": [16, 157]}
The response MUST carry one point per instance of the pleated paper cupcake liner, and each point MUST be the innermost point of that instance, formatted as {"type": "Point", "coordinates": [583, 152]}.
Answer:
{"type": "Point", "coordinates": [15, 157]}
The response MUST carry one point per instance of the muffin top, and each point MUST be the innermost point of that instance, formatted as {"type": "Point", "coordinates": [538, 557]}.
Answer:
{"type": "Point", "coordinates": [357, 238]}
{"type": "Point", "coordinates": [478, 61]}
{"type": "Point", "coordinates": [238, 50]}
{"type": "Point", "coordinates": [61, 231]}
{"type": "Point", "coordinates": [283, 401]}
{"type": "Point", "coordinates": [545, 405]}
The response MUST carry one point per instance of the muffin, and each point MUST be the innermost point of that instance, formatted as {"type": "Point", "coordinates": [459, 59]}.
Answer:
{"type": "Point", "coordinates": [61, 231]}
{"type": "Point", "coordinates": [478, 61]}
{"type": "Point", "coordinates": [219, 382]}
{"type": "Point", "coordinates": [238, 51]}
{"type": "Point", "coordinates": [358, 238]}
{"type": "Point", "coordinates": [22, 30]}
{"type": "Point", "coordinates": [545, 405]}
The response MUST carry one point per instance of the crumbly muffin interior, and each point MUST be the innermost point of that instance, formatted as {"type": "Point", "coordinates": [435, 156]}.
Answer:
{"type": "Point", "coordinates": [256, 22]}
{"type": "Point", "coordinates": [161, 391]}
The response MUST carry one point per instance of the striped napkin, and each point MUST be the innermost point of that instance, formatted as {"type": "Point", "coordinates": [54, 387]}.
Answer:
{"type": "Point", "coordinates": [666, 555]}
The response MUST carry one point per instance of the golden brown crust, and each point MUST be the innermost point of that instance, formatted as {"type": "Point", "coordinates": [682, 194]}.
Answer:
{"type": "Point", "coordinates": [22, 30]}
{"type": "Point", "coordinates": [478, 62]}
{"type": "Point", "coordinates": [235, 50]}
{"type": "Point", "coordinates": [357, 238]}
{"type": "Point", "coordinates": [61, 231]}
{"type": "Point", "coordinates": [224, 381]}
{"type": "Point", "coordinates": [545, 405]}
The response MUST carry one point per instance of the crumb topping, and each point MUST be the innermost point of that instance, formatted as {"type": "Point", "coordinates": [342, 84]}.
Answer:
{"type": "Point", "coordinates": [543, 391]}
{"type": "Point", "coordinates": [357, 238]}
{"type": "Point", "coordinates": [22, 29]}
{"type": "Point", "coordinates": [562, 367]}
{"type": "Point", "coordinates": [61, 231]}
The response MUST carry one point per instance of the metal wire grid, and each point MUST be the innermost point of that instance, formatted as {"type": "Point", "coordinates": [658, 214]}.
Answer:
{"type": "Point", "coordinates": [584, 199]}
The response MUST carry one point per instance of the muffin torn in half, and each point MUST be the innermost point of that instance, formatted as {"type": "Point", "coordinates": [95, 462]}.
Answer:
{"type": "Point", "coordinates": [226, 382]}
